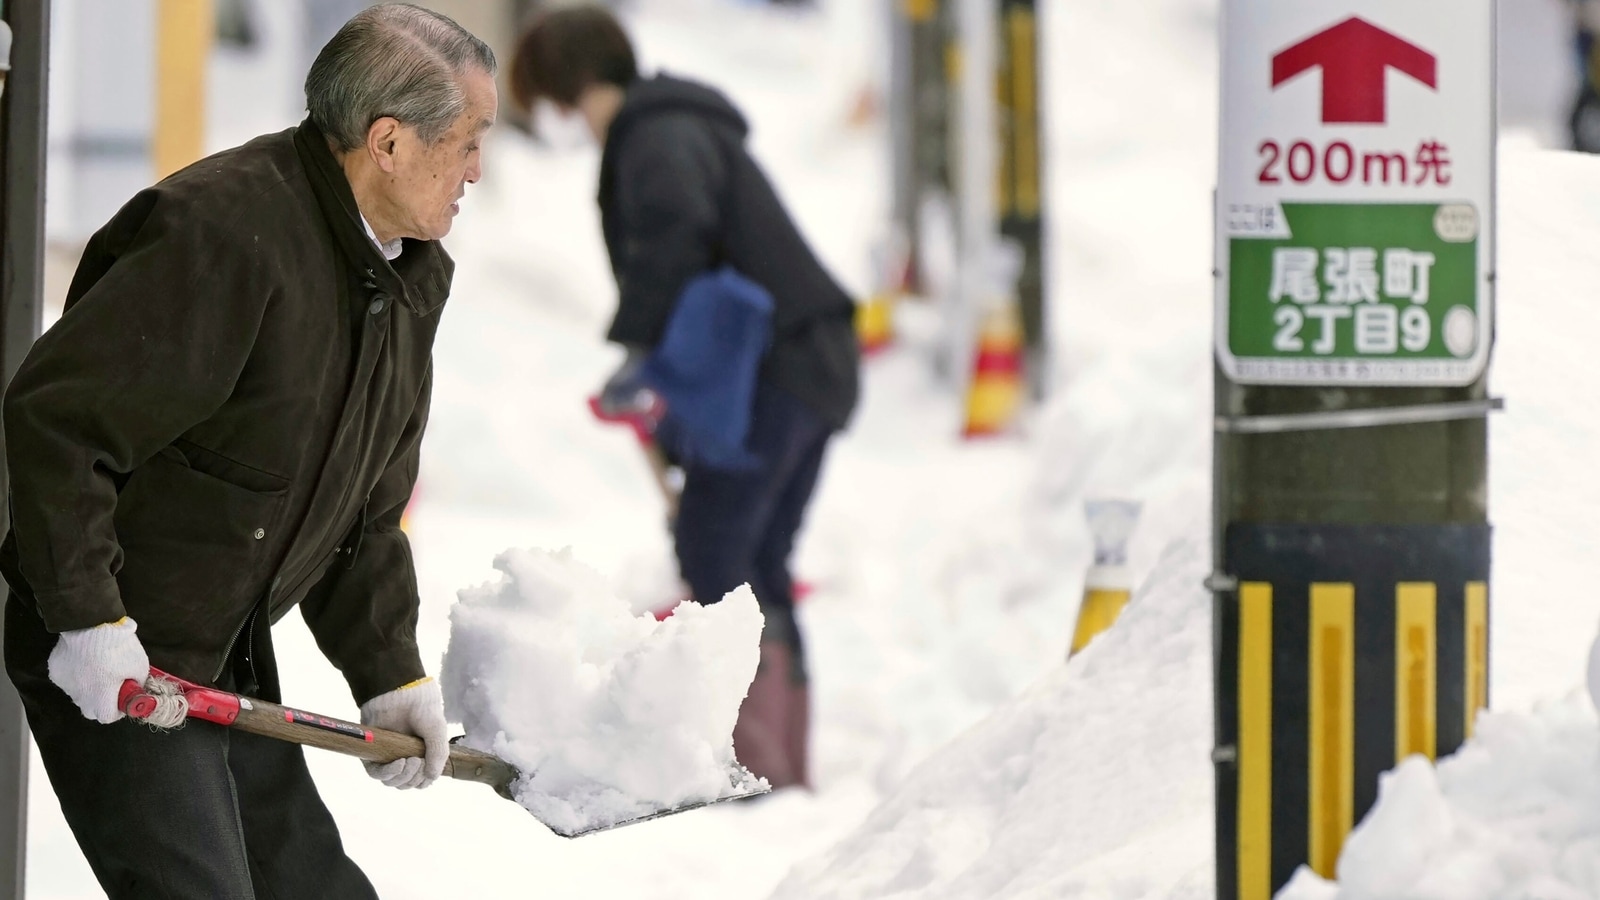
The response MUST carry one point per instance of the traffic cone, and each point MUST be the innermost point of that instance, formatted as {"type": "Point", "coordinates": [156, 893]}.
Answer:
{"type": "Point", "coordinates": [1108, 585]}
{"type": "Point", "coordinates": [995, 393]}
{"type": "Point", "coordinates": [891, 275]}
{"type": "Point", "coordinates": [875, 322]}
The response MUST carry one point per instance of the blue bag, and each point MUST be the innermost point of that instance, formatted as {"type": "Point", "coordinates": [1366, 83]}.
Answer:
{"type": "Point", "coordinates": [705, 369]}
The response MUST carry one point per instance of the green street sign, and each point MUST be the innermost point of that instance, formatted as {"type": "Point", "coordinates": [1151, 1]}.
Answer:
{"type": "Point", "coordinates": [1357, 292]}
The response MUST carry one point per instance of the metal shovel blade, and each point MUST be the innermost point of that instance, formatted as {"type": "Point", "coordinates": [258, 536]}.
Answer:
{"type": "Point", "coordinates": [743, 785]}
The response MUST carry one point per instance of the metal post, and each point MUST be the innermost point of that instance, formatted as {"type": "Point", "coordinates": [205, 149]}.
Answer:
{"type": "Point", "coordinates": [1354, 328]}
{"type": "Point", "coordinates": [22, 144]}
{"type": "Point", "coordinates": [976, 153]}
{"type": "Point", "coordinates": [919, 89]}
{"type": "Point", "coordinates": [1021, 170]}
{"type": "Point", "coordinates": [902, 116]}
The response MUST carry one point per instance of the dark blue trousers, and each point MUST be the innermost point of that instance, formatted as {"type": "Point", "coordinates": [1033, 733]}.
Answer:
{"type": "Point", "coordinates": [735, 527]}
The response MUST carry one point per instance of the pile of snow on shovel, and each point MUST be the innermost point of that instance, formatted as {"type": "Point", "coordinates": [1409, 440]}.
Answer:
{"type": "Point", "coordinates": [609, 715]}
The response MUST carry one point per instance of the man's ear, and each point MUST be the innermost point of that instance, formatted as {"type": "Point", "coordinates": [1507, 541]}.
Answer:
{"type": "Point", "coordinates": [381, 137]}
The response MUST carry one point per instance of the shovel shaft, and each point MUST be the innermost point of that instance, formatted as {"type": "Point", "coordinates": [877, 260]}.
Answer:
{"type": "Point", "coordinates": [325, 732]}
{"type": "Point", "coordinates": [364, 742]}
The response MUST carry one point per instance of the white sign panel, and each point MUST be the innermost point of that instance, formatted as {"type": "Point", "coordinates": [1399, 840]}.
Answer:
{"type": "Point", "coordinates": [1355, 204]}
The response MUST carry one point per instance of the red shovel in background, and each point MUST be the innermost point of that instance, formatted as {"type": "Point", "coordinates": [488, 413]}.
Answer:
{"type": "Point", "coordinates": [644, 433]}
{"type": "Point", "coordinates": [372, 744]}
{"type": "Point", "coordinates": [661, 468]}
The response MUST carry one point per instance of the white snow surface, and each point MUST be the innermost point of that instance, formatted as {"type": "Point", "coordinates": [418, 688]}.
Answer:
{"type": "Point", "coordinates": [1039, 802]}
{"type": "Point", "coordinates": [608, 715]}
{"type": "Point", "coordinates": [956, 755]}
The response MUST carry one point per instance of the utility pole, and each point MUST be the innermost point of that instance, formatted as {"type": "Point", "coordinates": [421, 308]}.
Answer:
{"type": "Point", "coordinates": [22, 158]}
{"type": "Point", "coordinates": [1021, 201]}
{"type": "Point", "coordinates": [1355, 251]}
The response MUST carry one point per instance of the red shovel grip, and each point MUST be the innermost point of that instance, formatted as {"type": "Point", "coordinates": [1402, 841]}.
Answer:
{"type": "Point", "coordinates": [205, 703]}
{"type": "Point", "coordinates": [134, 702]}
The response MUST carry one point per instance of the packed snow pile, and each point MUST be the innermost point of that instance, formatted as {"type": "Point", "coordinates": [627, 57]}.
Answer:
{"type": "Point", "coordinates": [1095, 782]}
{"type": "Point", "coordinates": [607, 714]}
{"type": "Point", "coordinates": [1515, 813]}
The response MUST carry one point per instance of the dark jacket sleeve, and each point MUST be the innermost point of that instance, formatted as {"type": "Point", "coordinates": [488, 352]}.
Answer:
{"type": "Point", "coordinates": [363, 613]}
{"type": "Point", "coordinates": [162, 317]}
{"type": "Point", "coordinates": [670, 181]}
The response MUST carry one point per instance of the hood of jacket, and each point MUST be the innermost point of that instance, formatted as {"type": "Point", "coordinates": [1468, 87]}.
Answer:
{"type": "Point", "coordinates": [669, 94]}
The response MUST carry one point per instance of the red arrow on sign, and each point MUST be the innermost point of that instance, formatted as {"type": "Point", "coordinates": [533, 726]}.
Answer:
{"type": "Point", "coordinates": [1354, 55]}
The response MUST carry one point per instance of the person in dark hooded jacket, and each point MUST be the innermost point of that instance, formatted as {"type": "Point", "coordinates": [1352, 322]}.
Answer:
{"type": "Point", "coordinates": [680, 196]}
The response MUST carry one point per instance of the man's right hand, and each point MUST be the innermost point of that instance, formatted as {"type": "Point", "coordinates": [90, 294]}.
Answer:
{"type": "Point", "coordinates": [90, 665]}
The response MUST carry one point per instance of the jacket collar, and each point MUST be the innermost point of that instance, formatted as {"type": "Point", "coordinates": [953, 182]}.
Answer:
{"type": "Point", "coordinates": [420, 277]}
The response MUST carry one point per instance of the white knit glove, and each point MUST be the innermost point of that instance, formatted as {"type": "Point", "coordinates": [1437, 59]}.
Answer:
{"type": "Point", "coordinates": [416, 708]}
{"type": "Point", "coordinates": [90, 665]}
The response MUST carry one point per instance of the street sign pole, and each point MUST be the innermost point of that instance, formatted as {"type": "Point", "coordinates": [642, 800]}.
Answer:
{"type": "Point", "coordinates": [22, 158]}
{"type": "Point", "coordinates": [1355, 248]}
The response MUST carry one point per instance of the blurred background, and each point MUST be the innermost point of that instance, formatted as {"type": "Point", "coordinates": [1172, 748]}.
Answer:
{"type": "Point", "coordinates": [1018, 194]}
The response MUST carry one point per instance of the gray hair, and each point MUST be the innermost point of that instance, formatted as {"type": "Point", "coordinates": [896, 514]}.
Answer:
{"type": "Point", "coordinates": [393, 59]}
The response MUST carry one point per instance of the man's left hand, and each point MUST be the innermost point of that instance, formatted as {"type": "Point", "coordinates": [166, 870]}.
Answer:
{"type": "Point", "coordinates": [417, 709]}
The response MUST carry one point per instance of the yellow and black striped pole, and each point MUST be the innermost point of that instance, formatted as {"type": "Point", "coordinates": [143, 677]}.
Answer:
{"type": "Point", "coordinates": [1343, 649]}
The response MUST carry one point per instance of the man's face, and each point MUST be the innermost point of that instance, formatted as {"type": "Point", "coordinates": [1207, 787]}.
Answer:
{"type": "Point", "coordinates": [428, 180]}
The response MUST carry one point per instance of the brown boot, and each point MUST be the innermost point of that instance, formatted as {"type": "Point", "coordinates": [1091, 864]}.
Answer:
{"type": "Point", "coordinates": [800, 733]}
{"type": "Point", "coordinates": [763, 737]}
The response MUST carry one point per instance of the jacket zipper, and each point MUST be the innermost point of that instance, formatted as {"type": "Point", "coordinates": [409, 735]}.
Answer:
{"type": "Point", "coordinates": [319, 566]}
{"type": "Point", "coordinates": [368, 325]}
{"type": "Point", "coordinates": [227, 653]}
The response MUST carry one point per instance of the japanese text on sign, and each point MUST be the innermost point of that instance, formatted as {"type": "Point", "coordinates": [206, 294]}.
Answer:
{"type": "Point", "coordinates": [1349, 288]}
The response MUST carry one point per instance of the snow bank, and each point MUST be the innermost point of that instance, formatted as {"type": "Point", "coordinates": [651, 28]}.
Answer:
{"type": "Point", "coordinates": [1515, 813]}
{"type": "Point", "coordinates": [609, 715]}
{"type": "Point", "coordinates": [1086, 785]}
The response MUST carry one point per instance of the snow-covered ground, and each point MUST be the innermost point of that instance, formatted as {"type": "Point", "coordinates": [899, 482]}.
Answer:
{"type": "Point", "coordinates": [957, 756]}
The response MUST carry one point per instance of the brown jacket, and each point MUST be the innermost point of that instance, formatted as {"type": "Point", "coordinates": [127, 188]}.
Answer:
{"type": "Point", "coordinates": [226, 420]}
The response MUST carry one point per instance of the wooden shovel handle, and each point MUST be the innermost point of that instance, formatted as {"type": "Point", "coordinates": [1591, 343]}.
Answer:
{"type": "Point", "coordinates": [325, 732]}
{"type": "Point", "coordinates": [365, 742]}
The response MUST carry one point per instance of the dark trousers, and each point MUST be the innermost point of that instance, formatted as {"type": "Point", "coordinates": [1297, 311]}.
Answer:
{"type": "Point", "coordinates": [737, 527]}
{"type": "Point", "coordinates": [202, 812]}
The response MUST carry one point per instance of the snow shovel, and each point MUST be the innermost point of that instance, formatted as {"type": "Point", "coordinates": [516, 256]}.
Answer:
{"type": "Point", "coordinates": [372, 744]}
{"type": "Point", "coordinates": [659, 466]}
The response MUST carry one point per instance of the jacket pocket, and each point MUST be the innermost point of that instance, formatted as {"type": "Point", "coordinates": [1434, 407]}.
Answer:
{"type": "Point", "coordinates": [195, 545]}
{"type": "Point", "coordinates": [210, 462]}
